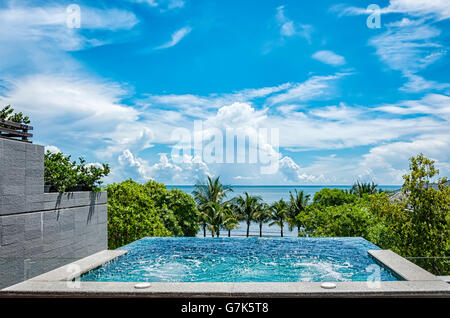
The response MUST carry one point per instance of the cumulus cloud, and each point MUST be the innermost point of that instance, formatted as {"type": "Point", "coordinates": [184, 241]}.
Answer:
{"type": "Point", "coordinates": [187, 172]}
{"type": "Point", "coordinates": [52, 149]}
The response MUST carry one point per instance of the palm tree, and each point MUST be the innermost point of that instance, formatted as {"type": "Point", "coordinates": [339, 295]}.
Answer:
{"type": "Point", "coordinates": [361, 188]}
{"type": "Point", "coordinates": [279, 211]}
{"type": "Point", "coordinates": [204, 193]}
{"type": "Point", "coordinates": [246, 206]}
{"type": "Point", "coordinates": [297, 204]}
{"type": "Point", "coordinates": [231, 220]}
{"type": "Point", "coordinates": [262, 216]}
{"type": "Point", "coordinates": [214, 217]}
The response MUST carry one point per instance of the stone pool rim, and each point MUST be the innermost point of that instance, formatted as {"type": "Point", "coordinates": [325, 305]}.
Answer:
{"type": "Point", "coordinates": [60, 283]}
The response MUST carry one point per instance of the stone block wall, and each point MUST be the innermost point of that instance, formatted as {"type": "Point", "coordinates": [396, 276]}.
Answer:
{"type": "Point", "coordinates": [42, 231]}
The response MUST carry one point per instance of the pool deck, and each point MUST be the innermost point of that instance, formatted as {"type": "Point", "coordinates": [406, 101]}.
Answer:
{"type": "Point", "coordinates": [62, 282]}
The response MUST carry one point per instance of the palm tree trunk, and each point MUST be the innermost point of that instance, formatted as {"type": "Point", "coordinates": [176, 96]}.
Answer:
{"type": "Point", "coordinates": [260, 229]}
{"type": "Point", "coordinates": [248, 228]}
{"type": "Point", "coordinates": [281, 227]}
{"type": "Point", "coordinates": [229, 233]}
{"type": "Point", "coordinates": [204, 230]}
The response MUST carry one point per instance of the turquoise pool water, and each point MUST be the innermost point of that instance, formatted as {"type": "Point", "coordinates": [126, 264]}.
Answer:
{"type": "Point", "coordinates": [242, 260]}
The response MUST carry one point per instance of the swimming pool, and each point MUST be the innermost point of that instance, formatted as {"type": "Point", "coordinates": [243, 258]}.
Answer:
{"type": "Point", "coordinates": [243, 260]}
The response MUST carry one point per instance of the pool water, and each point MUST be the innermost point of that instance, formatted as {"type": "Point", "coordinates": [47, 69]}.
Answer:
{"type": "Point", "coordinates": [243, 260]}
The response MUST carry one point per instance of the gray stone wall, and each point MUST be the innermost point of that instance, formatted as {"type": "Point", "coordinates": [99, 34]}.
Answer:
{"type": "Point", "coordinates": [41, 231]}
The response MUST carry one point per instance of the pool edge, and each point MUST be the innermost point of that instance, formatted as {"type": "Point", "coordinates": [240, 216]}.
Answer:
{"type": "Point", "coordinates": [60, 283]}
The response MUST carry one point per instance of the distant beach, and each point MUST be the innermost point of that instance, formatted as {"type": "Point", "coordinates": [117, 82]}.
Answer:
{"type": "Point", "coordinates": [271, 194]}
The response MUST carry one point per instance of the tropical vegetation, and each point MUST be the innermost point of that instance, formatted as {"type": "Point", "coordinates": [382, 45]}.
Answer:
{"type": "Point", "coordinates": [138, 210]}
{"type": "Point", "coordinates": [7, 113]}
{"type": "Point", "coordinates": [63, 175]}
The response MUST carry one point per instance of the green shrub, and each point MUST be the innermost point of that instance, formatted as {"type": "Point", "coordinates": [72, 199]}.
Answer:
{"type": "Point", "coordinates": [132, 214]}
{"type": "Point", "coordinates": [333, 197]}
{"type": "Point", "coordinates": [136, 211]}
{"type": "Point", "coordinates": [182, 205]}
{"type": "Point", "coordinates": [349, 219]}
{"type": "Point", "coordinates": [62, 174]}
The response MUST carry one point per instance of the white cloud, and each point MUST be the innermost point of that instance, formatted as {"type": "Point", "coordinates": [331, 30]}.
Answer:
{"type": "Point", "coordinates": [409, 45]}
{"type": "Point", "coordinates": [52, 149]}
{"type": "Point", "coordinates": [48, 25]}
{"type": "Point", "coordinates": [292, 172]}
{"type": "Point", "coordinates": [408, 49]}
{"type": "Point", "coordinates": [438, 9]}
{"type": "Point", "coordinates": [431, 104]}
{"type": "Point", "coordinates": [390, 161]}
{"type": "Point", "coordinates": [416, 84]}
{"type": "Point", "coordinates": [289, 28]}
{"type": "Point", "coordinates": [188, 172]}
{"type": "Point", "coordinates": [162, 4]}
{"type": "Point", "coordinates": [329, 57]}
{"type": "Point", "coordinates": [62, 106]}
{"type": "Point", "coordinates": [177, 36]}
{"type": "Point", "coordinates": [316, 87]}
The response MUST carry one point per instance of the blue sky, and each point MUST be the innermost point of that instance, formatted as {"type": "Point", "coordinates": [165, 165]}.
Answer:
{"type": "Point", "coordinates": [349, 102]}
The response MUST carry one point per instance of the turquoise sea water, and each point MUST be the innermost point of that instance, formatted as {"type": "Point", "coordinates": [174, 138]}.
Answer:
{"type": "Point", "coordinates": [187, 259]}
{"type": "Point", "coordinates": [271, 194]}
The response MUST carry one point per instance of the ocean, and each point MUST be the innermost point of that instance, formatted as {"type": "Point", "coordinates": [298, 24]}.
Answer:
{"type": "Point", "coordinates": [269, 194]}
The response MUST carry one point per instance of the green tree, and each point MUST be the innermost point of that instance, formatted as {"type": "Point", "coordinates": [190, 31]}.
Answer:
{"type": "Point", "coordinates": [363, 188]}
{"type": "Point", "coordinates": [246, 207]}
{"type": "Point", "coordinates": [88, 177]}
{"type": "Point", "coordinates": [297, 204]}
{"type": "Point", "coordinates": [136, 211]}
{"type": "Point", "coordinates": [7, 113]}
{"type": "Point", "coordinates": [417, 222]}
{"type": "Point", "coordinates": [279, 214]}
{"type": "Point", "coordinates": [60, 172]}
{"type": "Point", "coordinates": [263, 215]}
{"type": "Point", "coordinates": [132, 214]}
{"type": "Point", "coordinates": [181, 204]}
{"type": "Point", "coordinates": [231, 220]}
{"type": "Point", "coordinates": [333, 197]}
{"type": "Point", "coordinates": [211, 191]}
{"type": "Point", "coordinates": [349, 219]}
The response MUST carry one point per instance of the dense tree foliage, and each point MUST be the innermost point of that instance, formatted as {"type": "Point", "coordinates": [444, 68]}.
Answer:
{"type": "Point", "coordinates": [348, 219]}
{"type": "Point", "coordinates": [62, 174]}
{"type": "Point", "coordinates": [136, 211]}
{"type": "Point", "coordinates": [7, 113]}
{"type": "Point", "coordinates": [417, 223]}
{"type": "Point", "coordinates": [332, 197]}
{"type": "Point", "coordinates": [414, 223]}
